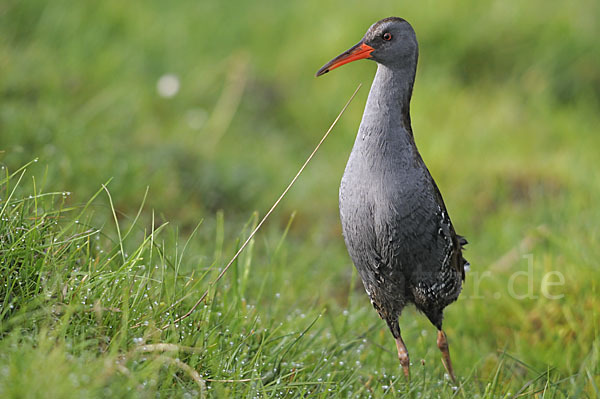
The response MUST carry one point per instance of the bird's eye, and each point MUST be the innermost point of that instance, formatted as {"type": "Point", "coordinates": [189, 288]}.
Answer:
{"type": "Point", "coordinates": [387, 36]}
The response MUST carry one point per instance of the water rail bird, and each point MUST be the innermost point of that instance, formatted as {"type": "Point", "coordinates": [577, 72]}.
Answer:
{"type": "Point", "coordinates": [395, 224]}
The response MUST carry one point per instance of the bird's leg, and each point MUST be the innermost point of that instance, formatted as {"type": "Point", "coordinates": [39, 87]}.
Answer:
{"type": "Point", "coordinates": [392, 323]}
{"type": "Point", "coordinates": [442, 343]}
{"type": "Point", "coordinates": [403, 357]}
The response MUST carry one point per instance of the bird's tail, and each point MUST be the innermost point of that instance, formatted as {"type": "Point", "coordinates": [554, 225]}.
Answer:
{"type": "Point", "coordinates": [466, 265]}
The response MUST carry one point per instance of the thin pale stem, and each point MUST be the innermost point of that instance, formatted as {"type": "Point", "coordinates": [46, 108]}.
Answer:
{"type": "Point", "coordinates": [258, 226]}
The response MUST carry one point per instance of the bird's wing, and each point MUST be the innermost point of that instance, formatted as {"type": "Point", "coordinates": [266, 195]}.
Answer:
{"type": "Point", "coordinates": [455, 243]}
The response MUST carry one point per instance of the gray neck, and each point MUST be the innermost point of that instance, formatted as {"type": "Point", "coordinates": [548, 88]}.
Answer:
{"type": "Point", "coordinates": [387, 113]}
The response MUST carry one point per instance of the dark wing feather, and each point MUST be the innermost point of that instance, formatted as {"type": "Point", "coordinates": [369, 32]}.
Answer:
{"type": "Point", "coordinates": [458, 242]}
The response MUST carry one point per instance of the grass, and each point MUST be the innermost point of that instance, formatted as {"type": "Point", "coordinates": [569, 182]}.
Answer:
{"type": "Point", "coordinates": [86, 315]}
{"type": "Point", "coordinates": [137, 200]}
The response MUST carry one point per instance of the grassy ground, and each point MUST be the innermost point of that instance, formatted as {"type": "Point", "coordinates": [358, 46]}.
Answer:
{"type": "Point", "coordinates": [93, 281]}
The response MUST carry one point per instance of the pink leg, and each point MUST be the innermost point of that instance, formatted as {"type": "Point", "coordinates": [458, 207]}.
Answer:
{"type": "Point", "coordinates": [442, 343]}
{"type": "Point", "coordinates": [403, 357]}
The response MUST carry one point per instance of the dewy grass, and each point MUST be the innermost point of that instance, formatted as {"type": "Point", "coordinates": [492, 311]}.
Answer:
{"type": "Point", "coordinates": [85, 320]}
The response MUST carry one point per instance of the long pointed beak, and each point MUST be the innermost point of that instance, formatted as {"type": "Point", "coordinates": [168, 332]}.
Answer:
{"type": "Point", "coordinates": [358, 52]}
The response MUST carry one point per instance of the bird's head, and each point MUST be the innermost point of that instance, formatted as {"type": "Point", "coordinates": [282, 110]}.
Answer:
{"type": "Point", "coordinates": [391, 42]}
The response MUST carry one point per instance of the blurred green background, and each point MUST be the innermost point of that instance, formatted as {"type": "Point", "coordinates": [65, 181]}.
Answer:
{"type": "Point", "coordinates": [505, 113]}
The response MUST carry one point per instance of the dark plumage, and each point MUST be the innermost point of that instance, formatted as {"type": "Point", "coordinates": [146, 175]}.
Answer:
{"type": "Point", "coordinates": [395, 224]}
